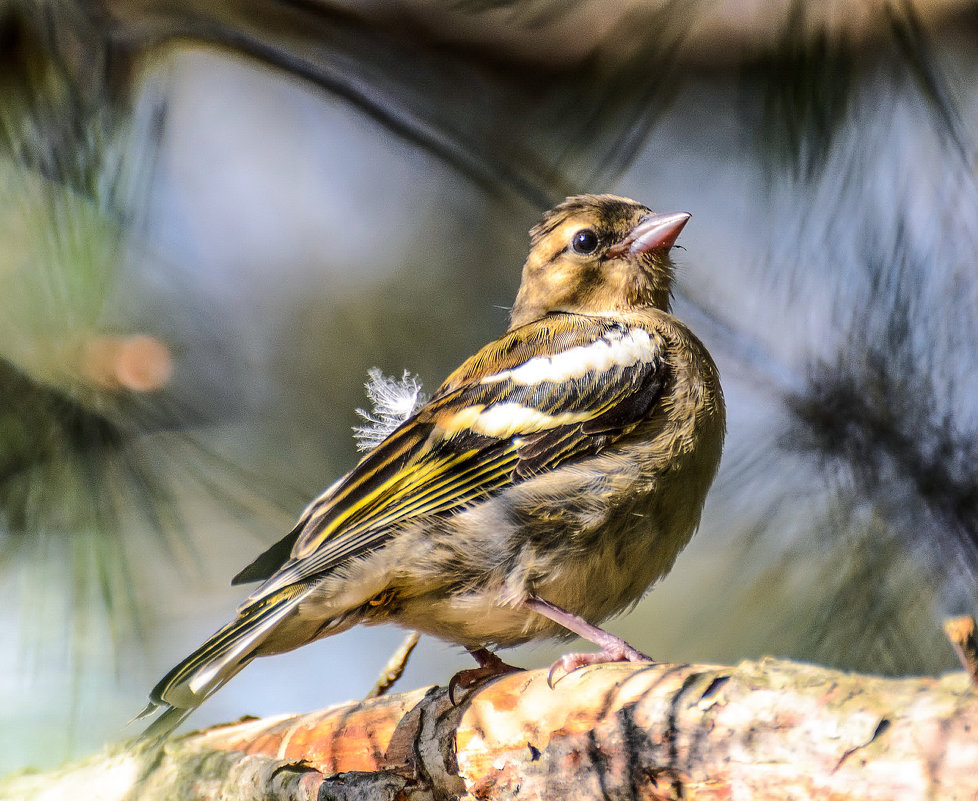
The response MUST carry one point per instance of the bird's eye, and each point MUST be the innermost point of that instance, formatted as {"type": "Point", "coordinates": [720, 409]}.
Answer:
{"type": "Point", "coordinates": [585, 241]}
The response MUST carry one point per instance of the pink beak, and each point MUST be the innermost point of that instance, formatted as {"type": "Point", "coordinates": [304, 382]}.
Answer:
{"type": "Point", "coordinates": [656, 232]}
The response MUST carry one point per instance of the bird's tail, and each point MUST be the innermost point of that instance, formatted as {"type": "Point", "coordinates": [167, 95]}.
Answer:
{"type": "Point", "coordinates": [208, 668]}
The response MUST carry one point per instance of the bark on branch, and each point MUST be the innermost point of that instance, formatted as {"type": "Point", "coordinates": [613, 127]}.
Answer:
{"type": "Point", "coordinates": [761, 730]}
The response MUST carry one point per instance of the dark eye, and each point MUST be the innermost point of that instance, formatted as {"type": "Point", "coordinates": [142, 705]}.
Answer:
{"type": "Point", "coordinates": [585, 241]}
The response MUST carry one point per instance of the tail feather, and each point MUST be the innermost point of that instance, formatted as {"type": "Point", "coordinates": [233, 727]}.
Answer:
{"type": "Point", "coordinates": [160, 729]}
{"type": "Point", "coordinates": [208, 668]}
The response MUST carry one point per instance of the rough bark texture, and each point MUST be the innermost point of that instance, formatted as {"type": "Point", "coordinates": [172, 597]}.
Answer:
{"type": "Point", "coordinates": [760, 730]}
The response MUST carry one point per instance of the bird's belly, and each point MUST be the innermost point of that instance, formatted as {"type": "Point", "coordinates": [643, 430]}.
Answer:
{"type": "Point", "coordinates": [475, 620]}
{"type": "Point", "coordinates": [595, 572]}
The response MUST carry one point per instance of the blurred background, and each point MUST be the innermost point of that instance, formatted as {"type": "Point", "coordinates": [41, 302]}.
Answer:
{"type": "Point", "coordinates": [214, 221]}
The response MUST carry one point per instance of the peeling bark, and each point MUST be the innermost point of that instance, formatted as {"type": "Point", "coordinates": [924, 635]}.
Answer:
{"type": "Point", "coordinates": [761, 730]}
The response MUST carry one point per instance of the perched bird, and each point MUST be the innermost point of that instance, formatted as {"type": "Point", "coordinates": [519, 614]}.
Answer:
{"type": "Point", "coordinates": [543, 488]}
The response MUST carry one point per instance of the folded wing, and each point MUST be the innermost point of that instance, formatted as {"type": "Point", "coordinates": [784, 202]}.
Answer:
{"type": "Point", "coordinates": [558, 389]}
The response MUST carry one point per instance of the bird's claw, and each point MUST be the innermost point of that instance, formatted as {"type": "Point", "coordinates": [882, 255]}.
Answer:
{"type": "Point", "coordinates": [568, 663]}
{"type": "Point", "coordinates": [490, 666]}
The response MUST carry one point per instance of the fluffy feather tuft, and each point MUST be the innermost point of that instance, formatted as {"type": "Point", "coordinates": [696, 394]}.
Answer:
{"type": "Point", "coordinates": [393, 400]}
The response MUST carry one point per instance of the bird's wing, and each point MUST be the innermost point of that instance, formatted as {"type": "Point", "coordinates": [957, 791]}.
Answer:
{"type": "Point", "coordinates": [557, 389]}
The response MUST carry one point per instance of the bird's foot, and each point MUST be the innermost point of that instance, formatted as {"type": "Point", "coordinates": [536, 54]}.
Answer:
{"type": "Point", "coordinates": [613, 648]}
{"type": "Point", "coordinates": [490, 666]}
{"type": "Point", "coordinates": [619, 651]}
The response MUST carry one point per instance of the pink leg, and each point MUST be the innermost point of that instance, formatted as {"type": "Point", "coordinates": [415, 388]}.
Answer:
{"type": "Point", "coordinates": [490, 666]}
{"type": "Point", "coordinates": [613, 649]}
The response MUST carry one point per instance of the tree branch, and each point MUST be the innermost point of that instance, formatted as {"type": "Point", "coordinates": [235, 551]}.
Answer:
{"type": "Point", "coordinates": [762, 730]}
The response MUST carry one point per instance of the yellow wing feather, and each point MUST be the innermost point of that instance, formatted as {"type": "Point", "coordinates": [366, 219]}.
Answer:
{"type": "Point", "coordinates": [431, 466]}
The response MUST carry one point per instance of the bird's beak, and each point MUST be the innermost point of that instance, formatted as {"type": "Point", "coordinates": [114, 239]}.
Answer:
{"type": "Point", "coordinates": [656, 232]}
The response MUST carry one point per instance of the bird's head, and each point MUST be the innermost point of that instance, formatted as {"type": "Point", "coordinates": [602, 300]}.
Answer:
{"type": "Point", "coordinates": [596, 254]}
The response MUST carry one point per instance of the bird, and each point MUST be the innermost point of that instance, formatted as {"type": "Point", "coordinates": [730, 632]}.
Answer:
{"type": "Point", "coordinates": [542, 489]}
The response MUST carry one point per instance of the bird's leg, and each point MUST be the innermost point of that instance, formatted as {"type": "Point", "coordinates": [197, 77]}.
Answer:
{"type": "Point", "coordinates": [613, 649]}
{"type": "Point", "coordinates": [490, 666]}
